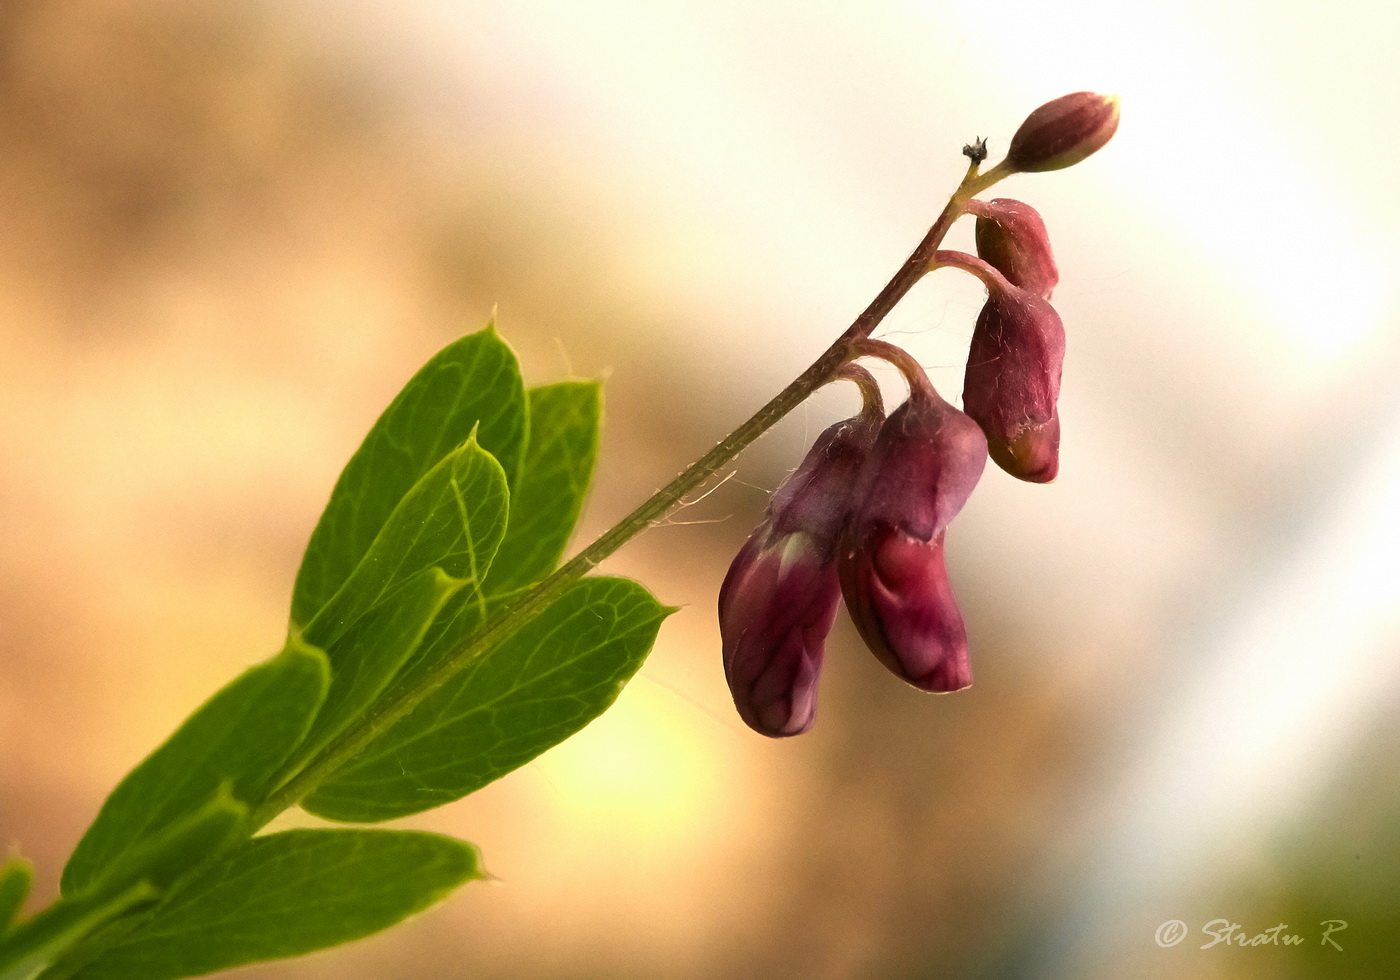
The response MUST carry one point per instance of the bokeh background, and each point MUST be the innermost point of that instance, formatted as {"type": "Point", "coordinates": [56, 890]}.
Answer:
{"type": "Point", "coordinates": [231, 229]}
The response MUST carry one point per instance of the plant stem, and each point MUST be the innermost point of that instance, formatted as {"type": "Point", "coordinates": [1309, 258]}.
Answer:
{"type": "Point", "coordinates": [506, 621]}
{"type": "Point", "coordinates": [872, 402]}
{"type": "Point", "coordinates": [919, 384]}
{"type": "Point", "coordinates": [991, 277]}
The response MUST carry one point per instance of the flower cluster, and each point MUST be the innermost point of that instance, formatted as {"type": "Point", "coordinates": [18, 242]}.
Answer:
{"type": "Point", "coordinates": [864, 517]}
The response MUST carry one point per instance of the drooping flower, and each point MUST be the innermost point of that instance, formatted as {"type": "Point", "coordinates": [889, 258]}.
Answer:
{"type": "Point", "coordinates": [1062, 132]}
{"type": "Point", "coordinates": [1012, 382]}
{"type": "Point", "coordinates": [778, 601]}
{"type": "Point", "coordinates": [1011, 237]}
{"type": "Point", "coordinates": [924, 465]}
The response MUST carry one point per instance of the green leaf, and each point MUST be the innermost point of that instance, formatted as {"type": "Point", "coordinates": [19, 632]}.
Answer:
{"type": "Point", "coordinates": [371, 652]}
{"type": "Point", "coordinates": [133, 883]}
{"type": "Point", "coordinates": [178, 848]}
{"type": "Point", "coordinates": [453, 519]}
{"type": "Point", "coordinates": [16, 875]}
{"type": "Point", "coordinates": [471, 384]}
{"type": "Point", "coordinates": [557, 673]}
{"type": "Point", "coordinates": [453, 627]}
{"type": "Point", "coordinates": [34, 944]}
{"type": "Point", "coordinates": [546, 500]}
{"type": "Point", "coordinates": [239, 737]}
{"type": "Point", "coordinates": [287, 894]}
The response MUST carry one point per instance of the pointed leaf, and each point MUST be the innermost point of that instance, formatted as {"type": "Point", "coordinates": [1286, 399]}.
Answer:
{"type": "Point", "coordinates": [370, 653]}
{"type": "Point", "coordinates": [180, 847]}
{"type": "Point", "coordinates": [452, 519]}
{"type": "Point", "coordinates": [240, 736]}
{"type": "Point", "coordinates": [34, 944]}
{"type": "Point", "coordinates": [16, 875]}
{"type": "Point", "coordinates": [134, 882]}
{"type": "Point", "coordinates": [143, 875]}
{"type": "Point", "coordinates": [546, 500]}
{"type": "Point", "coordinates": [287, 894]}
{"type": "Point", "coordinates": [557, 673]}
{"type": "Point", "coordinates": [471, 384]}
{"type": "Point", "coordinates": [455, 622]}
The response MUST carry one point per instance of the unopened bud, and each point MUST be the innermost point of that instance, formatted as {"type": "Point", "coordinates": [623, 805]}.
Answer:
{"type": "Point", "coordinates": [1012, 238]}
{"type": "Point", "coordinates": [905, 609]}
{"type": "Point", "coordinates": [924, 466]}
{"type": "Point", "coordinates": [1061, 133]}
{"type": "Point", "coordinates": [1013, 382]}
{"type": "Point", "coordinates": [779, 599]}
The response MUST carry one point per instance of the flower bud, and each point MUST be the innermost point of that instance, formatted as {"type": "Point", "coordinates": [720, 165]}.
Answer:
{"type": "Point", "coordinates": [1011, 237]}
{"type": "Point", "coordinates": [907, 613]}
{"type": "Point", "coordinates": [1013, 382]}
{"type": "Point", "coordinates": [1061, 133]}
{"type": "Point", "coordinates": [924, 465]}
{"type": "Point", "coordinates": [779, 599]}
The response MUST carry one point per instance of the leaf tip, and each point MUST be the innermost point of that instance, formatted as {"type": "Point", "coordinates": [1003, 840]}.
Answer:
{"type": "Point", "coordinates": [16, 878]}
{"type": "Point", "coordinates": [478, 870]}
{"type": "Point", "coordinates": [472, 436]}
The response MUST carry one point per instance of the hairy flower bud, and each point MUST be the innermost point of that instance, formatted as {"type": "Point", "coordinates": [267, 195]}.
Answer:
{"type": "Point", "coordinates": [1061, 133]}
{"type": "Point", "coordinates": [779, 599]}
{"type": "Point", "coordinates": [1013, 382]}
{"type": "Point", "coordinates": [923, 468]}
{"type": "Point", "coordinates": [1011, 237]}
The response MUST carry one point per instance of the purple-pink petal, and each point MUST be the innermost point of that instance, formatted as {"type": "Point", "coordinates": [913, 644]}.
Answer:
{"type": "Point", "coordinates": [923, 468]}
{"type": "Point", "coordinates": [902, 603]}
{"type": "Point", "coordinates": [779, 599]}
{"type": "Point", "coordinates": [1012, 382]}
{"type": "Point", "coordinates": [776, 609]}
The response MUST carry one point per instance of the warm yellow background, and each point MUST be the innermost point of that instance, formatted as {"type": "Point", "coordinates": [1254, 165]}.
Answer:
{"type": "Point", "coordinates": [229, 231]}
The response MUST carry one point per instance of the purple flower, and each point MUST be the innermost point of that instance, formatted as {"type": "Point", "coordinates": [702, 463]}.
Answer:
{"type": "Point", "coordinates": [779, 599]}
{"type": "Point", "coordinates": [1062, 132]}
{"type": "Point", "coordinates": [1011, 237]}
{"type": "Point", "coordinates": [1013, 382]}
{"type": "Point", "coordinates": [924, 465]}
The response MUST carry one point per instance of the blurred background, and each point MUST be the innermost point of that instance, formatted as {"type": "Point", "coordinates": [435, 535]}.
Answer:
{"type": "Point", "coordinates": [230, 230]}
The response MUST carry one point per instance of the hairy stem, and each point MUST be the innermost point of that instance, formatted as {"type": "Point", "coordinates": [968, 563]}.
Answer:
{"type": "Point", "coordinates": [914, 374]}
{"type": "Point", "coordinates": [506, 621]}
{"type": "Point", "coordinates": [871, 401]}
{"type": "Point", "coordinates": [991, 277]}
{"type": "Point", "coordinates": [829, 366]}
